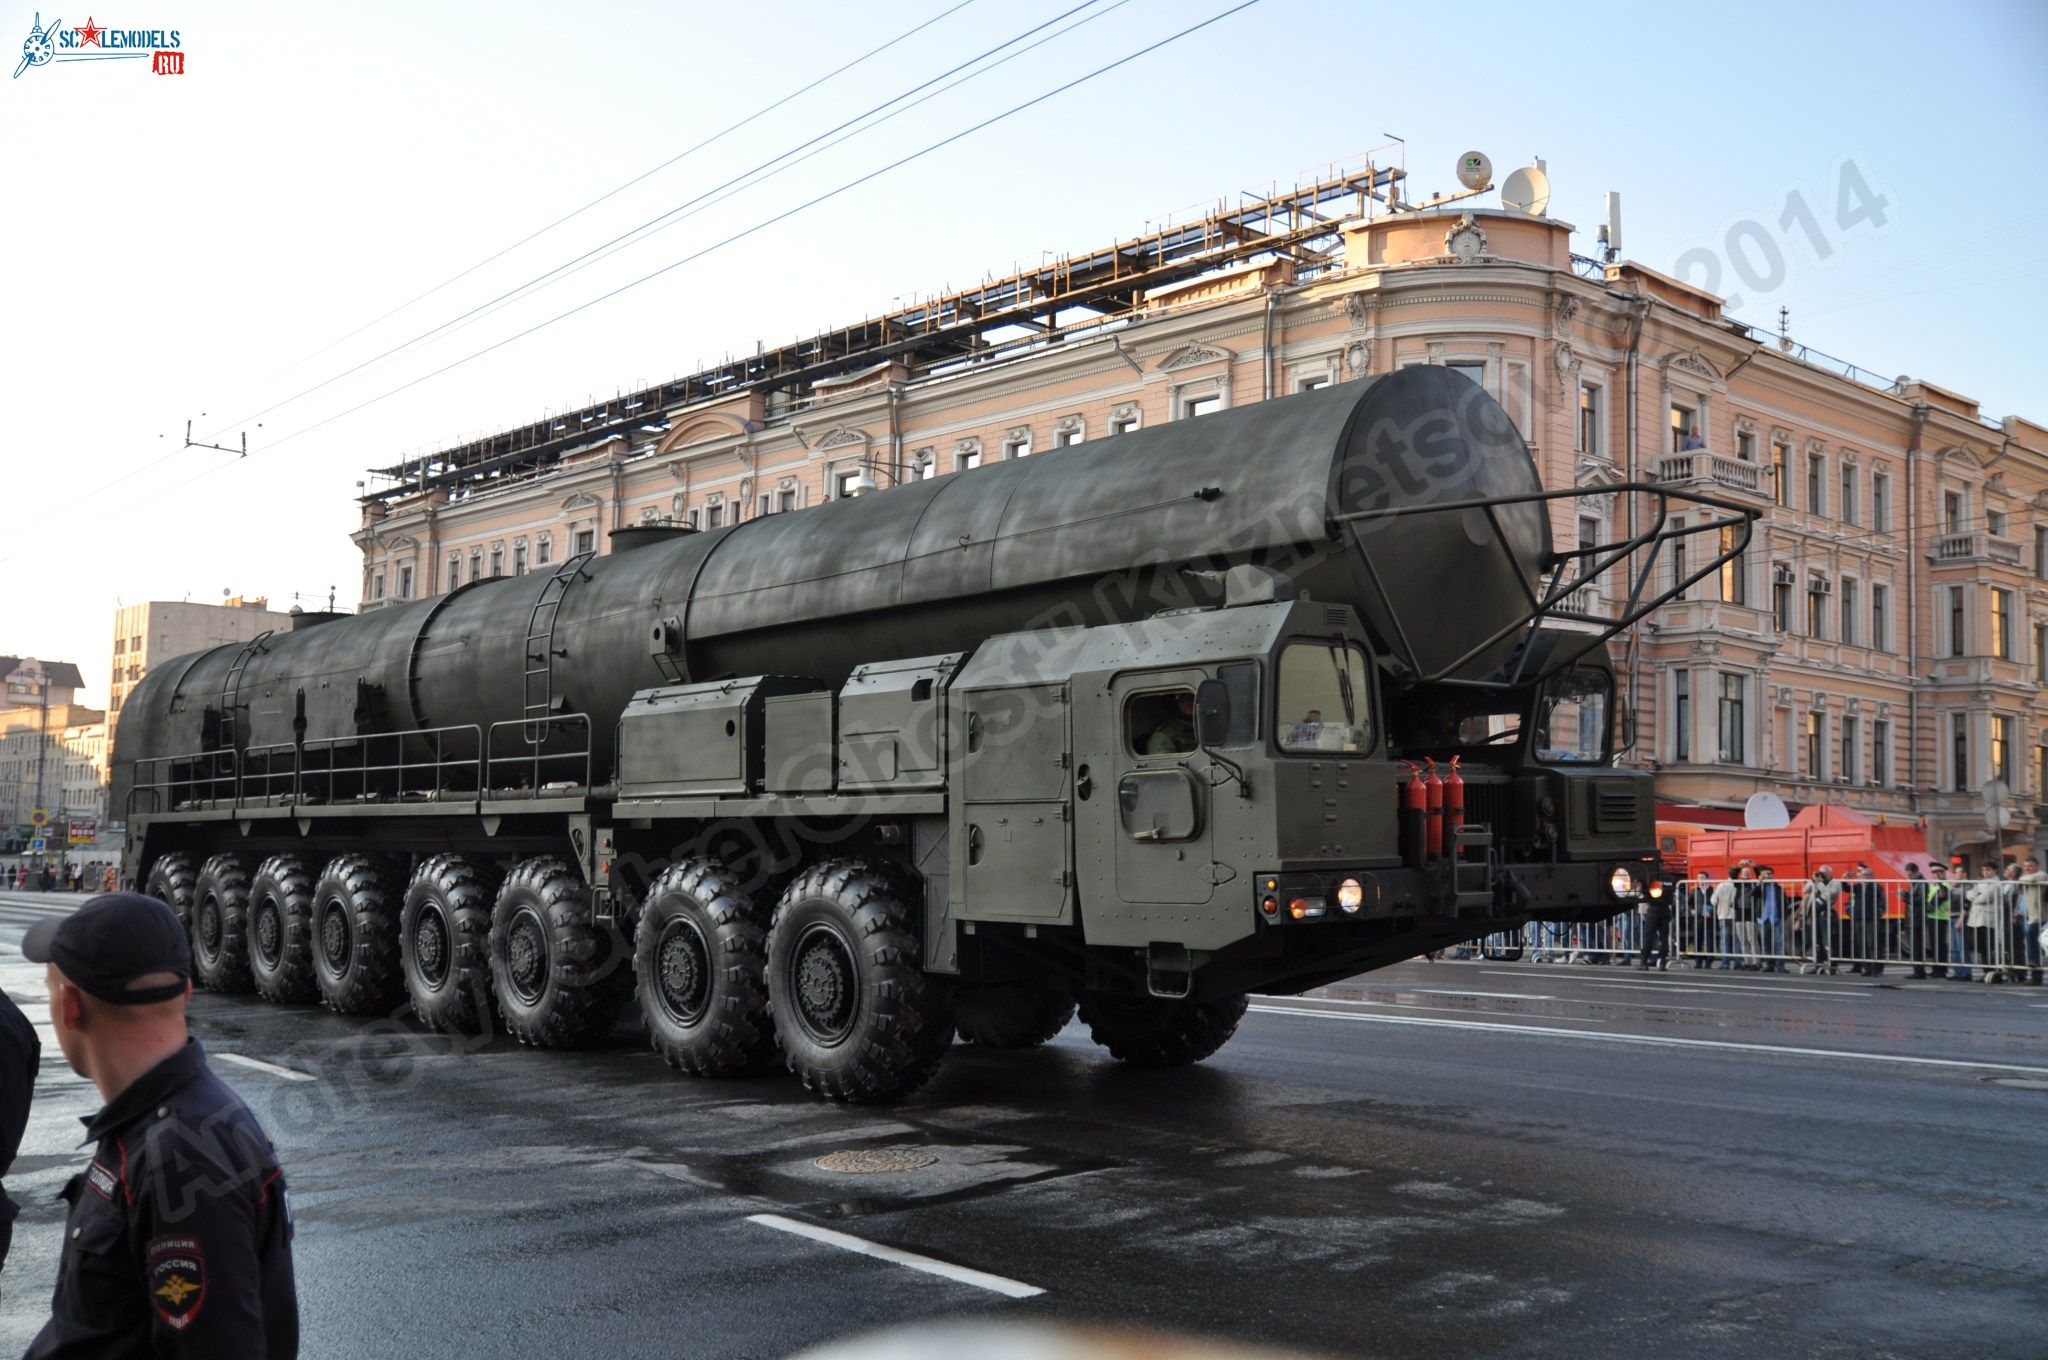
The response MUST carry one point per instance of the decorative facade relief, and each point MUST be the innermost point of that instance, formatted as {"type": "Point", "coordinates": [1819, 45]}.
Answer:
{"type": "Point", "coordinates": [1192, 355]}
{"type": "Point", "coordinates": [1566, 364]}
{"type": "Point", "coordinates": [1358, 358]}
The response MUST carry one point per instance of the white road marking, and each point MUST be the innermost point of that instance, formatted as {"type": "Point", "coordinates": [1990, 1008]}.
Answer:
{"type": "Point", "coordinates": [1445, 991]}
{"type": "Point", "coordinates": [1662, 1041]}
{"type": "Point", "coordinates": [1704, 984]}
{"type": "Point", "coordinates": [1447, 1010]}
{"type": "Point", "coordinates": [261, 1066]}
{"type": "Point", "coordinates": [1696, 988]}
{"type": "Point", "coordinates": [1012, 1289]}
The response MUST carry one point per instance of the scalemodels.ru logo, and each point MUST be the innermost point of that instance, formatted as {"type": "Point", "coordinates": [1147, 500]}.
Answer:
{"type": "Point", "coordinates": [57, 43]}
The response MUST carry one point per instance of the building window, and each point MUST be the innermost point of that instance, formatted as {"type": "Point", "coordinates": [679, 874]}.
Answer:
{"type": "Point", "coordinates": [1850, 763]}
{"type": "Point", "coordinates": [543, 550]}
{"type": "Point", "coordinates": [1018, 445]}
{"type": "Point", "coordinates": [1816, 483]}
{"type": "Point", "coordinates": [476, 564]}
{"type": "Point", "coordinates": [497, 561]}
{"type": "Point", "coordinates": [1851, 610]}
{"type": "Point", "coordinates": [1681, 715]}
{"type": "Point", "coordinates": [1816, 748]}
{"type": "Point", "coordinates": [1734, 717]}
{"type": "Point", "coordinates": [2001, 747]}
{"type": "Point", "coordinates": [1069, 433]}
{"type": "Point", "coordinates": [1589, 420]}
{"type": "Point", "coordinates": [377, 586]}
{"type": "Point", "coordinates": [1312, 384]}
{"type": "Point", "coordinates": [1880, 502]}
{"type": "Point", "coordinates": [1191, 407]}
{"type": "Point", "coordinates": [2041, 654]}
{"type": "Point", "coordinates": [519, 559]}
{"type": "Point", "coordinates": [454, 570]}
{"type": "Point", "coordinates": [1781, 472]}
{"type": "Point", "coordinates": [586, 541]}
{"type": "Point", "coordinates": [1124, 421]}
{"type": "Point", "coordinates": [968, 458]}
{"type": "Point", "coordinates": [1956, 631]}
{"type": "Point", "coordinates": [1959, 752]}
{"type": "Point", "coordinates": [1817, 608]}
{"type": "Point", "coordinates": [1881, 754]}
{"type": "Point", "coordinates": [1880, 617]}
{"type": "Point", "coordinates": [1678, 570]}
{"type": "Point", "coordinates": [2001, 623]}
{"type": "Point", "coordinates": [2041, 553]}
{"type": "Point", "coordinates": [714, 515]}
{"type": "Point", "coordinates": [1685, 432]}
{"type": "Point", "coordinates": [1781, 596]}
{"type": "Point", "coordinates": [1745, 445]}
{"type": "Point", "coordinates": [1994, 523]}
{"type": "Point", "coordinates": [926, 468]}
{"type": "Point", "coordinates": [1848, 507]}
{"type": "Point", "coordinates": [1734, 581]}
{"type": "Point", "coordinates": [785, 499]}
{"type": "Point", "coordinates": [843, 483]}
{"type": "Point", "coordinates": [405, 582]}
{"type": "Point", "coordinates": [1952, 511]}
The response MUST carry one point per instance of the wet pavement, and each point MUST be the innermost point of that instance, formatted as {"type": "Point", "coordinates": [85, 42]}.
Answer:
{"type": "Point", "coordinates": [1442, 1159]}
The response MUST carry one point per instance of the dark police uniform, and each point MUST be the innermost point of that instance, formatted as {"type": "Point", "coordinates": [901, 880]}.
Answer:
{"type": "Point", "coordinates": [20, 1056]}
{"type": "Point", "coordinates": [179, 1237]}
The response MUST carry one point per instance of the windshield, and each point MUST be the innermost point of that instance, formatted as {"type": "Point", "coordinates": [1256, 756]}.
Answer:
{"type": "Point", "coordinates": [1573, 715]}
{"type": "Point", "coordinates": [1324, 698]}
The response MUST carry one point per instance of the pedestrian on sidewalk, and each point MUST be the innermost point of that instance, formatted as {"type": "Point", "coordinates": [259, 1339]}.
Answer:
{"type": "Point", "coordinates": [2033, 914]}
{"type": "Point", "coordinates": [1747, 906]}
{"type": "Point", "coordinates": [1822, 905]}
{"type": "Point", "coordinates": [1770, 919]}
{"type": "Point", "coordinates": [1699, 921]}
{"type": "Point", "coordinates": [1985, 898]}
{"type": "Point", "coordinates": [1656, 931]}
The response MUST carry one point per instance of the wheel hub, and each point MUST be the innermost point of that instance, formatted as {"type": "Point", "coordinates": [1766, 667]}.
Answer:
{"type": "Point", "coordinates": [683, 970]}
{"type": "Point", "coordinates": [209, 927]}
{"type": "Point", "coordinates": [334, 938]}
{"type": "Point", "coordinates": [526, 957]}
{"type": "Point", "coordinates": [430, 947]}
{"type": "Point", "coordinates": [269, 933]}
{"type": "Point", "coordinates": [826, 991]}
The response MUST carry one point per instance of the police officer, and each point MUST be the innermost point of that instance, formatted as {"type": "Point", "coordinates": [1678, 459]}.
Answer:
{"type": "Point", "coordinates": [178, 1241]}
{"type": "Point", "coordinates": [20, 1056]}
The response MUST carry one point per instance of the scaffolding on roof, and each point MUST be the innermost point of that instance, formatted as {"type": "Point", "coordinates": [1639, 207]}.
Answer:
{"type": "Point", "coordinates": [962, 325]}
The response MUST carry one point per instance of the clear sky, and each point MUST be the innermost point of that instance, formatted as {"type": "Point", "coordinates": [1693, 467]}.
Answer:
{"type": "Point", "coordinates": [188, 247]}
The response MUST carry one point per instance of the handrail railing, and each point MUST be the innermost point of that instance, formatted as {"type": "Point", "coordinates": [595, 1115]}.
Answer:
{"type": "Point", "coordinates": [533, 760]}
{"type": "Point", "coordinates": [322, 771]}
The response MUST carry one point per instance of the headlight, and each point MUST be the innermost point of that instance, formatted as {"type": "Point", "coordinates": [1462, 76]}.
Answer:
{"type": "Point", "coordinates": [1623, 882]}
{"type": "Point", "coordinates": [1657, 889]}
{"type": "Point", "coordinates": [1351, 894]}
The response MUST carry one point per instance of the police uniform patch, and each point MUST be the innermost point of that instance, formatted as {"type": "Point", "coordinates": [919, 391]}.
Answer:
{"type": "Point", "coordinates": [102, 1180]}
{"type": "Point", "coordinates": [177, 1280]}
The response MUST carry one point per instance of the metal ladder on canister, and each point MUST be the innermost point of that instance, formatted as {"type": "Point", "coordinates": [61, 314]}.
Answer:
{"type": "Point", "coordinates": [540, 646]}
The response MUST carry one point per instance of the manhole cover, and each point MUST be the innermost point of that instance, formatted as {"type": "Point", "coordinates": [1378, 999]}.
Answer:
{"type": "Point", "coordinates": [872, 1161]}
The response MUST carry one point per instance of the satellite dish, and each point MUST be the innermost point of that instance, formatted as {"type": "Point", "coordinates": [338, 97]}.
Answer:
{"type": "Point", "coordinates": [1765, 811]}
{"type": "Point", "coordinates": [1527, 191]}
{"type": "Point", "coordinates": [1475, 171]}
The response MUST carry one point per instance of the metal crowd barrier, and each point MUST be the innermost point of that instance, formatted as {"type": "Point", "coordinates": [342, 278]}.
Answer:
{"type": "Point", "coordinates": [1871, 926]}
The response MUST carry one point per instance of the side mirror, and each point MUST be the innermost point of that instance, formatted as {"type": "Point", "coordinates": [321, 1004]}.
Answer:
{"type": "Point", "coordinates": [1212, 713]}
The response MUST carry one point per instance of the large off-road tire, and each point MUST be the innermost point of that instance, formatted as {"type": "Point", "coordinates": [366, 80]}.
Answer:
{"type": "Point", "coordinates": [700, 961]}
{"type": "Point", "coordinates": [171, 881]}
{"type": "Point", "coordinates": [1152, 1032]}
{"type": "Point", "coordinates": [444, 933]}
{"type": "Point", "coordinates": [559, 977]}
{"type": "Point", "coordinates": [220, 925]}
{"type": "Point", "coordinates": [1011, 1017]}
{"type": "Point", "coordinates": [281, 931]}
{"type": "Point", "coordinates": [355, 935]}
{"type": "Point", "coordinates": [856, 1015]}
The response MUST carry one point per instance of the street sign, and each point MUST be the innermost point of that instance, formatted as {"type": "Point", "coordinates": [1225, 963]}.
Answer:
{"type": "Point", "coordinates": [39, 817]}
{"type": "Point", "coordinates": [38, 846]}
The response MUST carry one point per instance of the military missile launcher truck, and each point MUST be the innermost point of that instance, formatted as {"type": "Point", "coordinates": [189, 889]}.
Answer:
{"type": "Point", "coordinates": [1138, 726]}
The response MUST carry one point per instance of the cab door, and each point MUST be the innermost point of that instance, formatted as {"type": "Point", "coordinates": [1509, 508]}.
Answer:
{"type": "Point", "coordinates": [1159, 807]}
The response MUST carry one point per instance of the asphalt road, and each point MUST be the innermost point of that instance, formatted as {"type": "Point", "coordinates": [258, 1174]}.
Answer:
{"type": "Point", "coordinates": [1437, 1160]}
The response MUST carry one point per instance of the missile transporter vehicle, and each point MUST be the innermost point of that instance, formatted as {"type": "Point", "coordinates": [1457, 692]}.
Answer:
{"type": "Point", "coordinates": [1138, 726]}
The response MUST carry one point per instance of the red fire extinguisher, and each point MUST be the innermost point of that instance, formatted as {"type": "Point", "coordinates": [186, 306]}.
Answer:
{"type": "Point", "coordinates": [1414, 812]}
{"type": "Point", "coordinates": [1433, 815]}
{"type": "Point", "coordinates": [1454, 808]}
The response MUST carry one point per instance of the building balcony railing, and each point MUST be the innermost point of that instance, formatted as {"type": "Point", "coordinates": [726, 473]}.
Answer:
{"type": "Point", "coordinates": [1706, 468]}
{"type": "Point", "coordinates": [1977, 547]}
